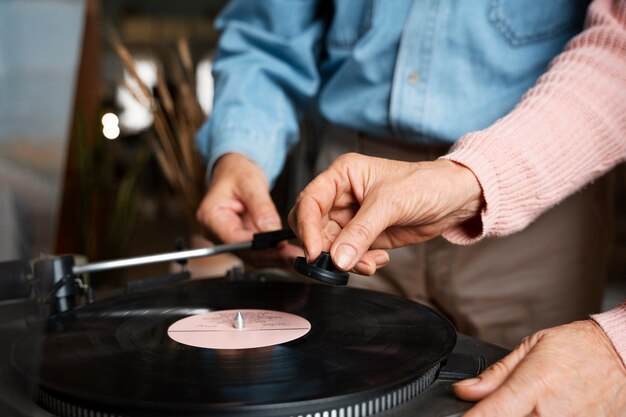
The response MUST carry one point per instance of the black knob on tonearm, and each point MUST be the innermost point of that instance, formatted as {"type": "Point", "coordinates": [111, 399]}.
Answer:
{"type": "Point", "coordinates": [322, 269]}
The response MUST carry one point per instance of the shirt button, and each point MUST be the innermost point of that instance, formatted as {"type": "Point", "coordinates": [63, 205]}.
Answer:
{"type": "Point", "coordinates": [414, 78]}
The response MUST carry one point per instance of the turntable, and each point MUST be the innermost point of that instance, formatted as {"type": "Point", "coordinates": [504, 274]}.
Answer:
{"type": "Point", "coordinates": [247, 344]}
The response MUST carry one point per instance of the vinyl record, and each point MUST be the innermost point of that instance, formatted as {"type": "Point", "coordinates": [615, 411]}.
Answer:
{"type": "Point", "coordinates": [115, 357]}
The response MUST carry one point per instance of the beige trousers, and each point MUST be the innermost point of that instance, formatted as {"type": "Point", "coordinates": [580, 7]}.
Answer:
{"type": "Point", "coordinates": [500, 289]}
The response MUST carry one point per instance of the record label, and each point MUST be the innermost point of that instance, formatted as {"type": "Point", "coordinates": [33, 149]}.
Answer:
{"type": "Point", "coordinates": [213, 348]}
{"type": "Point", "coordinates": [239, 329]}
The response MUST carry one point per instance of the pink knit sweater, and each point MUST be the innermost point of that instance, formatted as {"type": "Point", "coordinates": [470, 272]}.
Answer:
{"type": "Point", "coordinates": [568, 130]}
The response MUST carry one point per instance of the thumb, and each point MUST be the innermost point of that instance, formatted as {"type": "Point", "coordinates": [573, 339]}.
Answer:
{"type": "Point", "coordinates": [260, 206]}
{"type": "Point", "coordinates": [357, 236]}
{"type": "Point", "coordinates": [490, 379]}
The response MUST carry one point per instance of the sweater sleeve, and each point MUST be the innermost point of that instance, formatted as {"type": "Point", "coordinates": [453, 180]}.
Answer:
{"type": "Point", "coordinates": [613, 323]}
{"type": "Point", "coordinates": [566, 131]}
{"type": "Point", "coordinates": [569, 129]}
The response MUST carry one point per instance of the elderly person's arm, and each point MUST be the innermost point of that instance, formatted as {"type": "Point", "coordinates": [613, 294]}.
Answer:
{"type": "Point", "coordinates": [265, 70]}
{"type": "Point", "coordinates": [567, 130]}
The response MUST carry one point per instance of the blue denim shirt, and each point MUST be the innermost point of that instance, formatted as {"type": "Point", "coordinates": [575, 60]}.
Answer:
{"type": "Point", "coordinates": [424, 71]}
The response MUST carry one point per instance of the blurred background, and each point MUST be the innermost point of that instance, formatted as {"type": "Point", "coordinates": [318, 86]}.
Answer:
{"type": "Point", "coordinates": [99, 104]}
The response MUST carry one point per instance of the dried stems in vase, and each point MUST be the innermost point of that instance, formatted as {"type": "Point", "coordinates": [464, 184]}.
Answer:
{"type": "Point", "coordinates": [176, 121]}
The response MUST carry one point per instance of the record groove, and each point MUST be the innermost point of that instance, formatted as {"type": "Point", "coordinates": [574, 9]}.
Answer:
{"type": "Point", "coordinates": [114, 357]}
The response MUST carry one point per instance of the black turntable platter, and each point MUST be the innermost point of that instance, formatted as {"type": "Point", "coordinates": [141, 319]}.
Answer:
{"type": "Point", "coordinates": [364, 352]}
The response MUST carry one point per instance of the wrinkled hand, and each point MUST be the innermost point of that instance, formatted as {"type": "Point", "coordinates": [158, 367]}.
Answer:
{"type": "Point", "coordinates": [565, 371]}
{"type": "Point", "coordinates": [238, 204]}
{"type": "Point", "coordinates": [361, 205]}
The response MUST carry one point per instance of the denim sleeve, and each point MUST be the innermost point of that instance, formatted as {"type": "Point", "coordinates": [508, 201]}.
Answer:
{"type": "Point", "coordinates": [265, 73]}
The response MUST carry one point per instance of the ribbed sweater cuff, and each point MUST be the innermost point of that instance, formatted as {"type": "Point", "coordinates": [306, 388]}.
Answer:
{"type": "Point", "coordinates": [613, 322]}
{"type": "Point", "coordinates": [487, 177]}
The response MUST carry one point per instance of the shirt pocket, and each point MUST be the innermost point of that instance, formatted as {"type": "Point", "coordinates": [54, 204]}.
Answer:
{"type": "Point", "coordinates": [350, 21]}
{"type": "Point", "coordinates": [522, 22]}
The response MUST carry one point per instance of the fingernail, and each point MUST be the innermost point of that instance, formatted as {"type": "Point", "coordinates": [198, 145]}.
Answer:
{"type": "Point", "coordinates": [381, 260]}
{"type": "Point", "coordinates": [345, 255]}
{"type": "Point", "coordinates": [369, 269]}
{"type": "Point", "coordinates": [268, 224]}
{"type": "Point", "coordinates": [467, 382]}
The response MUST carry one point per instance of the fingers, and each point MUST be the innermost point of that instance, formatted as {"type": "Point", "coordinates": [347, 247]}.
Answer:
{"type": "Point", "coordinates": [371, 262]}
{"type": "Point", "coordinates": [475, 389]}
{"type": "Point", "coordinates": [563, 371]}
{"type": "Point", "coordinates": [358, 235]}
{"type": "Point", "coordinates": [238, 202]}
{"type": "Point", "coordinates": [307, 231]}
{"type": "Point", "coordinates": [223, 219]}
{"type": "Point", "coordinates": [517, 396]}
{"type": "Point", "coordinates": [337, 197]}
{"type": "Point", "coordinates": [507, 388]}
{"type": "Point", "coordinates": [260, 206]}
{"type": "Point", "coordinates": [311, 209]}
